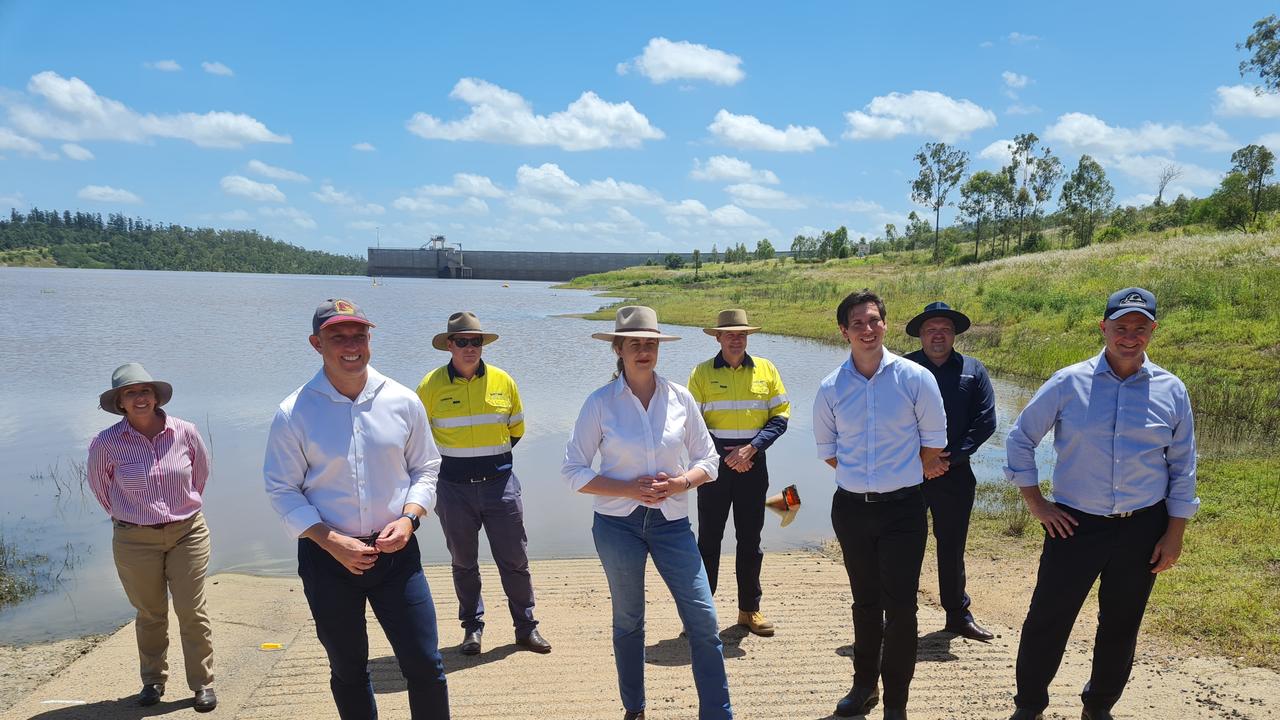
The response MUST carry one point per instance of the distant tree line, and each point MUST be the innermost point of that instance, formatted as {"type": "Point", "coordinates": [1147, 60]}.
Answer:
{"type": "Point", "coordinates": [85, 240]}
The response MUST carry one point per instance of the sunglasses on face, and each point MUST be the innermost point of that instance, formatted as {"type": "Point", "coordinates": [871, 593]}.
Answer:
{"type": "Point", "coordinates": [462, 342]}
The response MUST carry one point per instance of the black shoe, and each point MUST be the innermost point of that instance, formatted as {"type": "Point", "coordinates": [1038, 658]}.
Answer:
{"type": "Point", "coordinates": [206, 700]}
{"type": "Point", "coordinates": [535, 642]}
{"type": "Point", "coordinates": [1026, 714]}
{"type": "Point", "coordinates": [859, 701]}
{"type": "Point", "coordinates": [150, 694]}
{"type": "Point", "coordinates": [1095, 714]}
{"type": "Point", "coordinates": [895, 713]}
{"type": "Point", "coordinates": [970, 629]}
{"type": "Point", "coordinates": [633, 715]}
{"type": "Point", "coordinates": [471, 643]}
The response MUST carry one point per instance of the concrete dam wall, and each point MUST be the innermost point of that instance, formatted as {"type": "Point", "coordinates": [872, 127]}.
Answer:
{"type": "Point", "coordinates": [501, 264]}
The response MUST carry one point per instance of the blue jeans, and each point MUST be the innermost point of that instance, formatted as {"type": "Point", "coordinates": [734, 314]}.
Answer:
{"type": "Point", "coordinates": [624, 545]}
{"type": "Point", "coordinates": [401, 600]}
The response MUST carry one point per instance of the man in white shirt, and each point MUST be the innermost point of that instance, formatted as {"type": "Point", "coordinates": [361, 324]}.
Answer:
{"type": "Point", "coordinates": [351, 469]}
{"type": "Point", "coordinates": [879, 420]}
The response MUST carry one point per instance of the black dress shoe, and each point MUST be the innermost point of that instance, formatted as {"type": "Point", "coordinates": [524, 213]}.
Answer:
{"type": "Point", "coordinates": [471, 643]}
{"type": "Point", "coordinates": [895, 713]}
{"type": "Point", "coordinates": [150, 694]}
{"type": "Point", "coordinates": [971, 630]}
{"type": "Point", "coordinates": [859, 701]}
{"type": "Point", "coordinates": [1095, 714]}
{"type": "Point", "coordinates": [206, 700]}
{"type": "Point", "coordinates": [535, 642]}
{"type": "Point", "coordinates": [633, 715]}
{"type": "Point", "coordinates": [1025, 714]}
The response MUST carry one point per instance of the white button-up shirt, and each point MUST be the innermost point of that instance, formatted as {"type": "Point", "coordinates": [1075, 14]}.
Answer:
{"type": "Point", "coordinates": [633, 442]}
{"type": "Point", "coordinates": [352, 465]}
{"type": "Point", "coordinates": [875, 427]}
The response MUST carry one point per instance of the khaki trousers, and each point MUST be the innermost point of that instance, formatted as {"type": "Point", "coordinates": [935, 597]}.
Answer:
{"type": "Point", "coordinates": [152, 562]}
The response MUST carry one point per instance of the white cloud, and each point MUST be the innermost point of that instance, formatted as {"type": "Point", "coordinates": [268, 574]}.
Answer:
{"type": "Point", "coordinates": [107, 194]}
{"type": "Point", "coordinates": [1017, 38]}
{"type": "Point", "coordinates": [986, 44]}
{"type": "Point", "coordinates": [1087, 133]}
{"type": "Point", "coordinates": [746, 131]}
{"type": "Point", "coordinates": [294, 215]}
{"type": "Point", "coordinates": [15, 200]}
{"type": "Point", "coordinates": [75, 152]}
{"type": "Point", "coordinates": [757, 196]}
{"type": "Point", "coordinates": [464, 185]}
{"type": "Point", "coordinates": [1013, 80]}
{"type": "Point", "coordinates": [688, 213]}
{"type": "Point", "coordinates": [1147, 168]}
{"type": "Point", "coordinates": [474, 206]}
{"type": "Point", "coordinates": [920, 112]}
{"type": "Point", "coordinates": [276, 173]}
{"type": "Point", "coordinates": [235, 216]}
{"type": "Point", "coordinates": [332, 196]}
{"type": "Point", "coordinates": [501, 116]}
{"type": "Point", "coordinates": [1272, 141]}
{"type": "Point", "coordinates": [364, 147]}
{"type": "Point", "coordinates": [997, 152]}
{"type": "Point", "coordinates": [548, 180]}
{"type": "Point", "coordinates": [75, 112]}
{"type": "Point", "coordinates": [163, 65]}
{"type": "Point", "coordinates": [244, 187]}
{"type": "Point", "coordinates": [420, 205]}
{"type": "Point", "coordinates": [622, 216]}
{"type": "Point", "coordinates": [533, 206]}
{"type": "Point", "coordinates": [10, 140]}
{"type": "Point", "coordinates": [859, 206]}
{"type": "Point", "coordinates": [734, 216]}
{"type": "Point", "coordinates": [216, 68]}
{"type": "Point", "coordinates": [730, 169]}
{"type": "Point", "coordinates": [1020, 109]}
{"type": "Point", "coordinates": [1244, 101]}
{"type": "Point", "coordinates": [663, 61]}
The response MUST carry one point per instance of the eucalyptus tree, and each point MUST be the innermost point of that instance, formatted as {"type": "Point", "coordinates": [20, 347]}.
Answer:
{"type": "Point", "coordinates": [941, 167]}
{"type": "Point", "coordinates": [979, 198]}
{"type": "Point", "coordinates": [1033, 176]}
{"type": "Point", "coordinates": [1264, 43]}
{"type": "Point", "coordinates": [1257, 164]}
{"type": "Point", "coordinates": [1087, 197]}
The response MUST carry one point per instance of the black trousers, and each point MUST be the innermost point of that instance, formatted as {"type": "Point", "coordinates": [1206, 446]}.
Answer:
{"type": "Point", "coordinates": [950, 501]}
{"type": "Point", "coordinates": [744, 494]}
{"type": "Point", "coordinates": [883, 546]}
{"type": "Point", "coordinates": [1116, 549]}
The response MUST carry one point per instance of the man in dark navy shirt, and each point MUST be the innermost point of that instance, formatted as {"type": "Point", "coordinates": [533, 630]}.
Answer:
{"type": "Point", "coordinates": [971, 419]}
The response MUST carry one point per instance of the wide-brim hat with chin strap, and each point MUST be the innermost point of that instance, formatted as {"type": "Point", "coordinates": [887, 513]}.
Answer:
{"type": "Point", "coordinates": [635, 321]}
{"type": "Point", "coordinates": [938, 309]}
{"type": "Point", "coordinates": [732, 321]}
{"type": "Point", "coordinates": [132, 374]}
{"type": "Point", "coordinates": [462, 323]}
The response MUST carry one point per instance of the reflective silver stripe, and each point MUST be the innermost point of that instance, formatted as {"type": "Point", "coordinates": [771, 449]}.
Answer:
{"type": "Point", "coordinates": [777, 400]}
{"type": "Point", "coordinates": [482, 451]}
{"type": "Point", "coordinates": [734, 405]}
{"type": "Point", "coordinates": [516, 419]}
{"type": "Point", "coordinates": [469, 420]}
{"type": "Point", "coordinates": [729, 434]}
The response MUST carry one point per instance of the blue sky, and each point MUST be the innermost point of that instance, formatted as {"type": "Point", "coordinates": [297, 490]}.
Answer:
{"type": "Point", "coordinates": [595, 126]}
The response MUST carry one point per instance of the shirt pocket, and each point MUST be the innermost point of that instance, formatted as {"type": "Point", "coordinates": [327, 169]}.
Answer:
{"type": "Point", "coordinates": [132, 477]}
{"type": "Point", "coordinates": [498, 403]}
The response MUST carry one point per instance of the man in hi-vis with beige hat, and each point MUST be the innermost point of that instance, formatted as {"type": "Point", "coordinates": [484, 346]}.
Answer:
{"type": "Point", "coordinates": [745, 407]}
{"type": "Point", "coordinates": [476, 418]}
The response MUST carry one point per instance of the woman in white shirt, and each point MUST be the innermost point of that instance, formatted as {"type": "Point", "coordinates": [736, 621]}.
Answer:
{"type": "Point", "coordinates": [654, 448]}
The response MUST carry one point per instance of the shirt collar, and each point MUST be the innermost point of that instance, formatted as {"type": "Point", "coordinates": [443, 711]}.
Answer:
{"type": "Point", "coordinates": [1102, 366]}
{"type": "Point", "coordinates": [886, 358]}
{"type": "Point", "coordinates": [125, 427]}
{"type": "Point", "coordinates": [454, 374]}
{"type": "Point", "coordinates": [720, 362]}
{"type": "Point", "coordinates": [320, 383]}
{"type": "Point", "coordinates": [620, 386]}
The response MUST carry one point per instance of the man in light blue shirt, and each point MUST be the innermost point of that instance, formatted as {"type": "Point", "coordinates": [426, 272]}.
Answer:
{"type": "Point", "coordinates": [1123, 489]}
{"type": "Point", "coordinates": [879, 420]}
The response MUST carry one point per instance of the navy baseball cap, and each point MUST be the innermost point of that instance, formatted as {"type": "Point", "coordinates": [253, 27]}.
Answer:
{"type": "Point", "coordinates": [1134, 299]}
{"type": "Point", "coordinates": [337, 310]}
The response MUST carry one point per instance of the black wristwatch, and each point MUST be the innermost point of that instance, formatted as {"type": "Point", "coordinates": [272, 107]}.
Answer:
{"type": "Point", "coordinates": [413, 519]}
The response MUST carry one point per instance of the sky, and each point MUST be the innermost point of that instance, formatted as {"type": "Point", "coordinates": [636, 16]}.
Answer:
{"type": "Point", "coordinates": [596, 126]}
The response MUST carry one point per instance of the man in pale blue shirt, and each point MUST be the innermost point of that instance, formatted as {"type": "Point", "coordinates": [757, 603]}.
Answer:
{"type": "Point", "coordinates": [879, 420]}
{"type": "Point", "coordinates": [1123, 489]}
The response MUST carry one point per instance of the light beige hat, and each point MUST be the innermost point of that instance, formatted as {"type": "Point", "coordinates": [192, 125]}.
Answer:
{"type": "Point", "coordinates": [635, 321]}
{"type": "Point", "coordinates": [731, 321]}
{"type": "Point", "coordinates": [461, 323]}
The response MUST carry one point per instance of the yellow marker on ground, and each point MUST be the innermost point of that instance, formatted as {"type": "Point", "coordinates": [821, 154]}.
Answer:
{"type": "Point", "coordinates": [271, 646]}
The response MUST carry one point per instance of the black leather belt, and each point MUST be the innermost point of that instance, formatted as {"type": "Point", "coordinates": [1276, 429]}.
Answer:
{"type": "Point", "coordinates": [875, 497]}
{"type": "Point", "coordinates": [477, 479]}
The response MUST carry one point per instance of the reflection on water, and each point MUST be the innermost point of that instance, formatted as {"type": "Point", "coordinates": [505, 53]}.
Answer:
{"type": "Point", "coordinates": [234, 346]}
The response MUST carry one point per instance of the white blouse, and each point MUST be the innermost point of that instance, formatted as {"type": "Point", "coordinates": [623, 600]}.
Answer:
{"type": "Point", "coordinates": [633, 442]}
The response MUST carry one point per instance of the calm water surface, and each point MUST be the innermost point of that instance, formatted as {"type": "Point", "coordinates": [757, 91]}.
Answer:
{"type": "Point", "coordinates": [234, 346]}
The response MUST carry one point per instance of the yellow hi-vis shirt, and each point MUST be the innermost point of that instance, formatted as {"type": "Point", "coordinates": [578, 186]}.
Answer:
{"type": "Point", "coordinates": [737, 402]}
{"type": "Point", "coordinates": [473, 418]}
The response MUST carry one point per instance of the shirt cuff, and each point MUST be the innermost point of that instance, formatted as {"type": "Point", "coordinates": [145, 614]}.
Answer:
{"type": "Point", "coordinates": [934, 439]}
{"type": "Point", "coordinates": [826, 451]}
{"type": "Point", "coordinates": [579, 478]}
{"type": "Point", "coordinates": [1022, 478]}
{"type": "Point", "coordinates": [420, 494]}
{"type": "Point", "coordinates": [301, 518]}
{"type": "Point", "coordinates": [1182, 508]}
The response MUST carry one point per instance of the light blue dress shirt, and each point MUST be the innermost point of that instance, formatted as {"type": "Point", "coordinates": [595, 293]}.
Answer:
{"type": "Point", "coordinates": [1122, 445]}
{"type": "Point", "coordinates": [875, 428]}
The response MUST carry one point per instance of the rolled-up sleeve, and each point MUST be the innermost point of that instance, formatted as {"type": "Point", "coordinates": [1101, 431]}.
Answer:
{"type": "Point", "coordinates": [583, 444]}
{"type": "Point", "coordinates": [99, 472]}
{"type": "Point", "coordinates": [283, 470]}
{"type": "Point", "coordinates": [697, 441]}
{"type": "Point", "coordinates": [422, 459]}
{"type": "Point", "coordinates": [1033, 423]}
{"type": "Point", "coordinates": [931, 415]}
{"type": "Point", "coordinates": [1182, 501]}
{"type": "Point", "coordinates": [824, 422]}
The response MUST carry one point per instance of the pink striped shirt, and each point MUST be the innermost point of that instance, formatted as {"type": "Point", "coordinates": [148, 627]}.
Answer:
{"type": "Point", "coordinates": [148, 482]}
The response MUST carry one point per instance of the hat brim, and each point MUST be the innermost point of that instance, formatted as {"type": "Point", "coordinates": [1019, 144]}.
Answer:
{"type": "Point", "coordinates": [647, 334]}
{"type": "Point", "coordinates": [107, 400]}
{"type": "Point", "coordinates": [960, 319]}
{"type": "Point", "coordinates": [441, 340]}
{"type": "Point", "coordinates": [748, 329]}
{"type": "Point", "coordinates": [337, 319]}
{"type": "Point", "coordinates": [1125, 311]}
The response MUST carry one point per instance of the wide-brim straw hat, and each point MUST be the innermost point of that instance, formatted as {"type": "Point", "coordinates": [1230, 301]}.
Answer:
{"type": "Point", "coordinates": [938, 309]}
{"type": "Point", "coordinates": [732, 321]}
{"type": "Point", "coordinates": [635, 321]}
{"type": "Point", "coordinates": [462, 323]}
{"type": "Point", "coordinates": [132, 374]}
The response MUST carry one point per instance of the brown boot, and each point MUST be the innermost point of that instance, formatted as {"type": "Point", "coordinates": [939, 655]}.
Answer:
{"type": "Point", "coordinates": [756, 622]}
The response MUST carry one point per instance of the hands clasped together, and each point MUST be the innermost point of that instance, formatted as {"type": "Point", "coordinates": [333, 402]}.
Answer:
{"type": "Point", "coordinates": [357, 557]}
{"type": "Point", "coordinates": [653, 490]}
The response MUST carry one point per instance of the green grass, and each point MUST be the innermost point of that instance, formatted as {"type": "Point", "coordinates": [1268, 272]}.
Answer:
{"type": "Point", "coordinates": [17, 581]}
{"type": "Point", "coordinates": [1032, 314]}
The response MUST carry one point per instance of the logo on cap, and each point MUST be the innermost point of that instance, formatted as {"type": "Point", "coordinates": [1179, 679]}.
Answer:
{"type": "Point", "coordinates": [344, 307]}
{"type": "Point", "coordinates": [1133, 299]}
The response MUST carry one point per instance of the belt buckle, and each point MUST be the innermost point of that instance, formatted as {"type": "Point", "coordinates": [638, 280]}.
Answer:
{"type": "Point", "coordinates": [477, 480]}
{"type": "Point", "coordinates": [1126, 514]}
{"type": "Point", "coordinates": [870, 497]}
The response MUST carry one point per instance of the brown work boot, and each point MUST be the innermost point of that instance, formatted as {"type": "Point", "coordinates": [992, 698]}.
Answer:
{"type": "Point", "coordinates": [756, 622]}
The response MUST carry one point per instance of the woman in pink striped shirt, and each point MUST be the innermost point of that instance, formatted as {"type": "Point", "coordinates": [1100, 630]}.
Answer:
{"type": "Point", "coordinates": [149, 471]}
